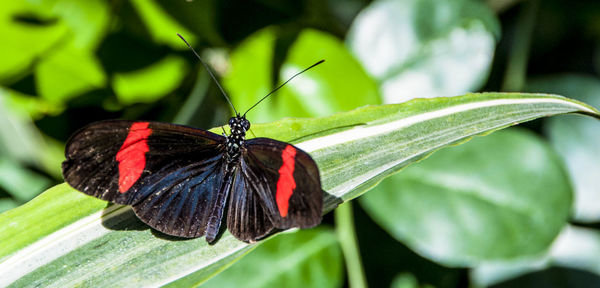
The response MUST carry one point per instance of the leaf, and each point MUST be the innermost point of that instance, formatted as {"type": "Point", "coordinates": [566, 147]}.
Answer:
{"type": "Point", "coordinates": [19, 138]}
{"type": "Point", "coordinates": [405, 280]}
{"type": "Point", "coordinates": [27, 41]}
{"type": "Point", "coordinates": [79, 25]}
{"type": "Point", "coordinates": [576, 140]}
{"type": "Point", "coordinates": [495, 198]}
{"type": "Point", "coordinates": [22, 142]}
{"type": "Point", "coordinates": [151, 83]}
{"type": "Point", "coordinates": [21, 183]}
{"type": "Point", "coordinates": [304, 258]}
{"type": "Point", "coordinates": [88, 21]}
{"type": "Point", "coordinates": [7, 204]}
{"type": "Point", "coordinates": [162, 26]}
{"type": "Point", "coordinates": [203, 18]}
{"type": "Point", "coordinates": [49, 212]}
{"type": "Point", "coordinates": [64, 238]}
{"type": "Point", "coordinates": [314, 93]}
{"type": "Point", "coordinates": [68, 72]}
{"type": "Point", "coordinates": [425, 48]}
{"type": "Point", "coordinates": [35, 107]}
{"type": "Point", "coordinates": [575, 248]}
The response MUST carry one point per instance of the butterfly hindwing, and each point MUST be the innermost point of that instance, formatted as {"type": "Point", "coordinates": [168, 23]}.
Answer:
{"type": "Point", "coordinates": [247, 220]}
{"type": "Point", "coordinates": [280, 179]}
{"type": "Point", "coordinates": [187, 202]}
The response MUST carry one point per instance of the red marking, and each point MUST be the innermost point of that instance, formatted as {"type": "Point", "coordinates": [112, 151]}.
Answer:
{"type": "Point", "coordinates": [132, 155]}
{"type": "Point", "coordinates": [286, 183]}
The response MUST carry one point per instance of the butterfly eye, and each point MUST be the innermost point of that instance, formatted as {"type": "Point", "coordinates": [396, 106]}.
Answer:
{"type": "Point", "coordinates": [246, 124]}
{"type": "Point", "coordinates": [231, 122]}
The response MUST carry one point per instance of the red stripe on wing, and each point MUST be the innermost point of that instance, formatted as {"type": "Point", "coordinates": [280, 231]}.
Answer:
{"type": "Point", "coordinates": [286, 183]}
{"type": "Point", "coordinates": [132, 155]}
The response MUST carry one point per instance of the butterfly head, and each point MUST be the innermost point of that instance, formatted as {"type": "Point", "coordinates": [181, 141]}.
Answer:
{"type": "Point", "coordinates": [239, 125]}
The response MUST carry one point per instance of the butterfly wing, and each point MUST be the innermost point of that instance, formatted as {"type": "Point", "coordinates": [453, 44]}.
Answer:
{"type": "Point", "coordinates": [170, 174]}
{"type": "Point", "coordinates": [276, 186]}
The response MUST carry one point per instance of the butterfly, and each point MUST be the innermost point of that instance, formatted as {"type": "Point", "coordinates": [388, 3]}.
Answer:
{"type": "Point", "coordinates": [180, 180]}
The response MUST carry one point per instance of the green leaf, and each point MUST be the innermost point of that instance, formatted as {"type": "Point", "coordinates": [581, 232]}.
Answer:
{"type": "Point", "coordinates": [54, 209]}
{"type": "Point", "coordinates": [7, 204]}
{"type": "Point", "coordinates": [35, 107]}
{"type": "Point", "coordinates": [19, 138]}
{"type": "Point", "coordinates": [497, 197]}
{"type": "Point", "coordinates": [576, 140]}
{"type": "Point", "coordinates": [66, 238]}
{"type": "Point", "coordinates": [79, 25]}
{"type": "Point", "coordinates": [305, 258]}
{"type": "Point", "coordinates": [163, 28]}
{"type": "Point", "coordinates": [88, 20]}
{"type": "Point", "coordinates": [319, 92]}
{"type": "Point", "coordinates": [425, 48]}
{"type": "Point", "coordinates": [405, 280]}
{"type": "Point", "coordinates": [22, 142]}
{"type": "Point", "coordinates": [151, 83]}
{"type": "Point", "coordinates": [68, 72]}
{"type": "Point", "coordinates": [27, 41]}
{"type": "Point", "coordinates": [203, 18]}
{"type": "Point", "coordinates": [575, 248]}
{"type": "Point", "coordinates": [20, 182]}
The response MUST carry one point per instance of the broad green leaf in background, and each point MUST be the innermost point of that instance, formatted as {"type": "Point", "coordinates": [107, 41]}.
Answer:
{"type": "Point", "coordinates": [67, 72]}
{"type": "Point", "coordinates": [151, 83]}
{"type": "Point", "coordinates": [425, 48]}
{"type": "Point", "coordinates": [35, 107]}
{"type": "Point", "coordinates": [497, 197]}
{"type": "Point", "coordinates": [161, 25]}
{"type": "Point", "coordinates": [27, 41]}
{"type": "Point", "coordinates": [64, 238]}
{"type": "Point", "coordinates": [21, 142]}
{"type": "Point", "coordinates": [575, 248]}
{"type": "Point", "coordinates": [88, 20]}
{"type": "Point", "coordinates": [405, 280]}
{"type": "Point", "coordinates": [19, 139]}
{"type": "Point", "coordinates": [7, 204]}
{"type": "Point", "coordinates": [21, 183]}
{"type": "Point", "coordinates": [199, 17]}
{"type": "Point", "coordinates": [339, 84]}
{"type": "Point", "coordinates": [67, 65]}
{"type": "Point", "coordinates": [304, 258]}
{"type": "Point", "coordinates": [577, 139]}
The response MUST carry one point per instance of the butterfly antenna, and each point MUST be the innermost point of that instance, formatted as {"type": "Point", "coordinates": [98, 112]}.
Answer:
{"type": "Point", "coordinates": [311, 66]}
{"type": "Point", "coordinates": [209, 72]}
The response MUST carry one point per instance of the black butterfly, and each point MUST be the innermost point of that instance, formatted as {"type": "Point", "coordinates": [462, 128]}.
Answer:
{"type": "Point", "coordinates": [180, 179]}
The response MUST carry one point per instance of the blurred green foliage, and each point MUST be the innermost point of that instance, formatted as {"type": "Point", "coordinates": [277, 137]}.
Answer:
{"type": "Point", "coordinates": [66, 63]}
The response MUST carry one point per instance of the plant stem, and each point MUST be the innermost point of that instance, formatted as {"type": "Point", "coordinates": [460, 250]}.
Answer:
{"type": "Point", "coordinates": [190, 107]}
{"type": "Point", "coordinates": [344, 228]}
{"type": "Point", "coordinates": [500, 6]}
{"type": "Point", "coordinates": [515, 74]}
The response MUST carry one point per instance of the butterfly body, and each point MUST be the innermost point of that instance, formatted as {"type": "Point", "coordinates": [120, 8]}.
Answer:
{"type": "Point", "coordinates": [181, 180]}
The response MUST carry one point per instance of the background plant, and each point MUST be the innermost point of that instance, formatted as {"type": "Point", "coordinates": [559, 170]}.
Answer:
{"type": "Point", "coordinates": [439, 222]}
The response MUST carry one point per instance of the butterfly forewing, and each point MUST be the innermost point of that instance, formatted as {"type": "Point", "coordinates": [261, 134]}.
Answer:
{"type": "Point", "coordinates": [168, 173]}
{"type": "Point", "coordinates": [282, 180]}
{"type": "Point", "coordinates": [110, 159]}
